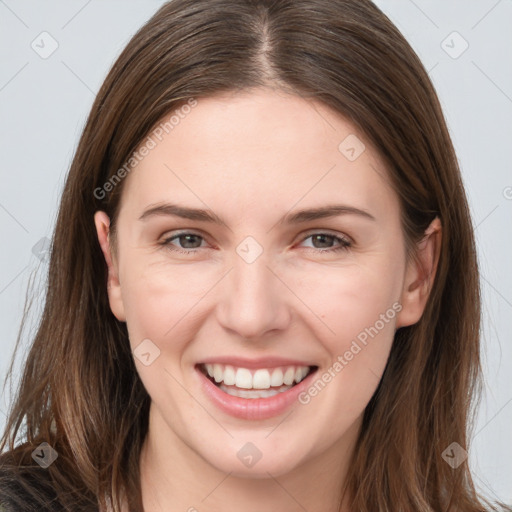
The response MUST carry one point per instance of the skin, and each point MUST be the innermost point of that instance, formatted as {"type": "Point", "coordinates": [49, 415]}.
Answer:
{"type": "Point", "coordinates": [251, 158]}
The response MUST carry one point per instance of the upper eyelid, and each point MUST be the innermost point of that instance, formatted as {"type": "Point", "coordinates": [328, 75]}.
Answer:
{"type": "Point", "coordinates": [172, 234]}
{"type": "Point", "coordinates": [303, 236]}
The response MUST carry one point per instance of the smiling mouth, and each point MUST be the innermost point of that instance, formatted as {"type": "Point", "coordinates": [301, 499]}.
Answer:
{"type": "Point", "coordinates": [259, 383]}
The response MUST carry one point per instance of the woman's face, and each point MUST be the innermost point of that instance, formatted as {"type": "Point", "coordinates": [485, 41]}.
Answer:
{"type": "Point", "coordinates": [254, 292]}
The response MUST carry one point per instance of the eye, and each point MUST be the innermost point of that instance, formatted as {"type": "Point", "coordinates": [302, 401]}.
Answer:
{"type": "Point", "coordinates": [326, 239]}
{"type": "Point", "coordinates": [189, 241]}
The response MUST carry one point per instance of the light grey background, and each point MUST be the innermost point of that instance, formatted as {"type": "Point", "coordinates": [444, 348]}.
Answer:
{"type": "Point", "coordinates": [44, 103]}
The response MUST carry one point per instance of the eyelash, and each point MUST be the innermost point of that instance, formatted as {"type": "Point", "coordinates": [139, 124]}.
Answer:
{"type": "Point", "coordinates": [345, 244]}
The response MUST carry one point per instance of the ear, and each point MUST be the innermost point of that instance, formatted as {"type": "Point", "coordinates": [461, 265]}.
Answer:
{"type": "Point", "coordinates": [419, 276]}
{"type": "Point", "coordinates": [102, 222]}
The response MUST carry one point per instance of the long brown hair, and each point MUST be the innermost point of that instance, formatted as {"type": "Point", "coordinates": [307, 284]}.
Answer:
{"type": "Point", "coordinates": [80, 391]}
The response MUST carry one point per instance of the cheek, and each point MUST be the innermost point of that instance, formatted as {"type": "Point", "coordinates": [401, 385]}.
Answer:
{"type": "Point", "coordinates": [160, 300]}
{"type": "Point", "coordinates": [350, 299]}
{"type": "Point", "coordinates": [358, 306]}
{"type": "Point", "coordinates": [160, 304]}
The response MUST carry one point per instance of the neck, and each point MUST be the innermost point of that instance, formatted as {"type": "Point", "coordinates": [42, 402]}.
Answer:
{"type": "Point", "coordinates": [174, 477]}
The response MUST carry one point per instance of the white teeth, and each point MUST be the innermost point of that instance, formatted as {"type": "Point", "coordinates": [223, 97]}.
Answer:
{"type": "Point", "coordinates": [252, 393]}
{"type": "Point", "coordinates": [218, 374]}
{"type": "Point", "coordinates": [289, 375]}
{"type": "Point", "coordinates": [243, 378]}
{"type": "Point", "coordinates": [229, 376]}
{"type": "Point", "coordinates": [277, 377]}
{"type": "Point", "coordinates": [261, 378]}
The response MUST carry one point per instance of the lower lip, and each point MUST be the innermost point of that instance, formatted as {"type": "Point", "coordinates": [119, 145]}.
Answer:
{"type": "Point", "coordinates": [253, 408]}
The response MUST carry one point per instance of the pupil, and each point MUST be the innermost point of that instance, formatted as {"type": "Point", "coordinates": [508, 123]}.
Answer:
{"type": "Point", "coordinates": [316, 237]}
{"type": "Point", "coordinates": [187, 238]}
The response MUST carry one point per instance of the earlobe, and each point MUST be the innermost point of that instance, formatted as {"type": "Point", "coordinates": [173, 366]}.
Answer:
{"type": "Point", "coordinates": [420, 276]}
{"type": "Point", "coordinates": [102, 223]}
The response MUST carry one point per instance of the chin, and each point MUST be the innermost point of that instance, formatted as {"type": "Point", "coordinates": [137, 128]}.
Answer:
{"type": "Point", "coordinates": [258, 458]}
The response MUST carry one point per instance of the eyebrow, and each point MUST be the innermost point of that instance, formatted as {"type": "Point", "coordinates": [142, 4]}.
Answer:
{"type": "Point", "coordinates": [297, 217]}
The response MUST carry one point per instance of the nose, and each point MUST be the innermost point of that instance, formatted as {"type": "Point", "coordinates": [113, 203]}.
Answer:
{"type": "Point", "coordinates": [254, 300]}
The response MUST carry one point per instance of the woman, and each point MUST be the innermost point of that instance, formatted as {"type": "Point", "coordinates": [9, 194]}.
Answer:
{"type": "Point", "coordinates": [256, 368]}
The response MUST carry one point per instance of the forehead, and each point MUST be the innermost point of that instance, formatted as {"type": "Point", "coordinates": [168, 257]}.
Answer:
{"type": "Point", "coordinates": [241, 151]}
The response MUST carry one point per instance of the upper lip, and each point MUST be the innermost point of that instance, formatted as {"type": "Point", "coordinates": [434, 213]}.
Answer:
{"type": "Point", "coordinates": [262, 362]}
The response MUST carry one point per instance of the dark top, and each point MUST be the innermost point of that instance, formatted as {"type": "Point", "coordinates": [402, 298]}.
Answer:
{"type": "Point", "coordinates": [27, 490]}
{"type": "Point", "coordinates": [30, 489]}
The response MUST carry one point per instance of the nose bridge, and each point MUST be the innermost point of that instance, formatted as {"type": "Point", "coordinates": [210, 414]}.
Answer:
{"type": "Point", "coordinates": [254, 300]}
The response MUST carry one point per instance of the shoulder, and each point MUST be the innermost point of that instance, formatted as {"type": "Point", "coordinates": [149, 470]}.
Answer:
{"type": "Point", "coordinates": [25, 488]}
